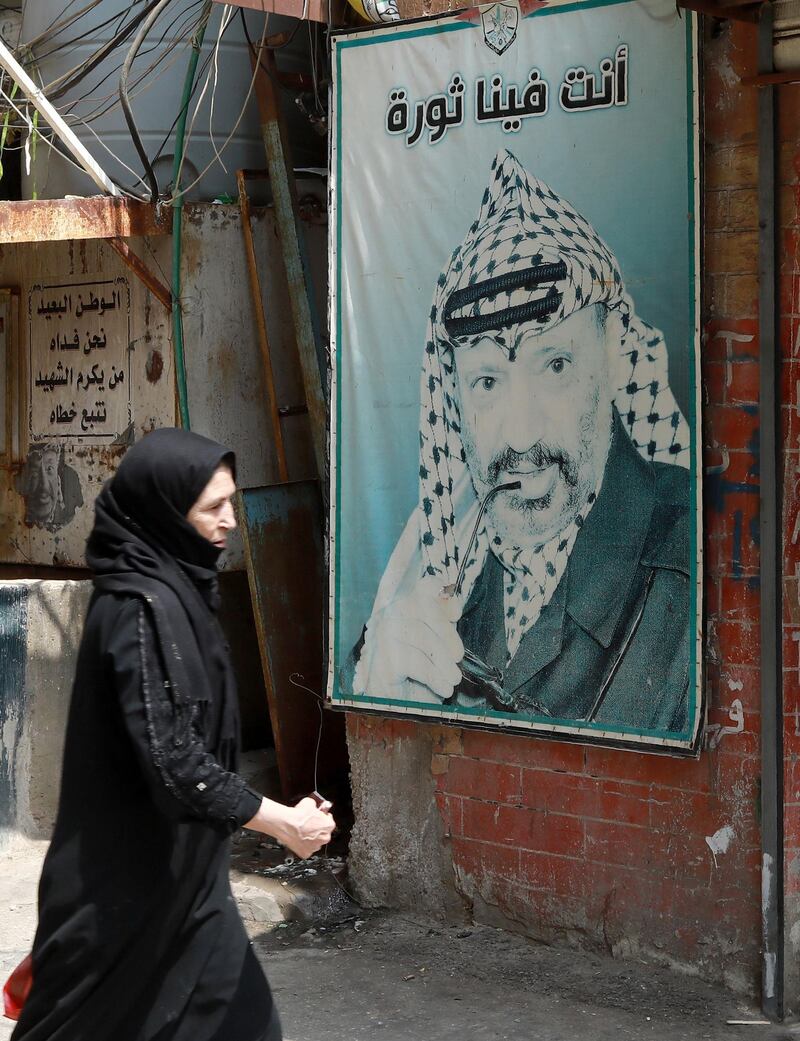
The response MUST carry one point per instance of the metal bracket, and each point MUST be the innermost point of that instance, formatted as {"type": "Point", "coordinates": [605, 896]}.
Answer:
{"type": "Point", "coordinates": [142, 272]}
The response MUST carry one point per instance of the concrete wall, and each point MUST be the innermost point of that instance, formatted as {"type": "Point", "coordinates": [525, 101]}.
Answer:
{"type": "Point", "coordinates": [226, 389]}
{"type": "Point", "coordinates": [152, 390]}
{"type": "Point", "coordinates": [47, 627]}
{"type": "Point", "coordinates": [631, 853]}
{"type": "Point", "coordinates": [41, 621]}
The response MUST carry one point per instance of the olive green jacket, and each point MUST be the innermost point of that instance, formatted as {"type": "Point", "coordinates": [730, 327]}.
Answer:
{"type": "Point", "coordinates": [614, 643]}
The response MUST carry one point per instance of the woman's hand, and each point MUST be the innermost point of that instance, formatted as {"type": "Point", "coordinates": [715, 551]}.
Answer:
{"type": "Point", "coordinates": [303, 828]}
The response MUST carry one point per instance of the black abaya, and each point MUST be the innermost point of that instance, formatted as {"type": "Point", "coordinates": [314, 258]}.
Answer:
{"type": "Point", "coordinates": [139, 938]}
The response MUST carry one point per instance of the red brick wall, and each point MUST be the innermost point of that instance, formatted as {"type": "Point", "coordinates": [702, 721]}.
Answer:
{"type": "Point", "coordinates": [608, 848]}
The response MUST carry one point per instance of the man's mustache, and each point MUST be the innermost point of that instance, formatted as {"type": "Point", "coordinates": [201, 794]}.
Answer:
{"type": "Point", "coordinates": [539, 456]}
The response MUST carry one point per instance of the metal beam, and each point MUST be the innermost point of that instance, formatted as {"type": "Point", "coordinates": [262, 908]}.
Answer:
{"type": "Point", "coordinates": [142, 272]}
{"type": "Point", "coordinates": [771, 511]}
{"type": "Point", "coordinates": [37, 98]}
{"type": "Point", "coordinates": [772, 79]}
{"type": "Point", "coordinates": [97, 217]}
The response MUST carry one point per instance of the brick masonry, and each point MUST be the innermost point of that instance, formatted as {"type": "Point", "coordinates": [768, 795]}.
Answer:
{"type": "Point", "coordinates": [604, 848]}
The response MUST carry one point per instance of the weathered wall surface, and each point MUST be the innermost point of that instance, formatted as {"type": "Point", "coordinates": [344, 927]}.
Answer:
{"type": "Point", "coordinates": [623, 851]}
{"type": "Point", "coordinates": [45, 628]}
{"type": "Point", "coordinates": [225, 375]}
{"type": "Point", "coordinates": [28, 533]}
{"type": "Point", "coordinates": [42, 620]}
{"type": "Point", "coordinates": [225, 372]}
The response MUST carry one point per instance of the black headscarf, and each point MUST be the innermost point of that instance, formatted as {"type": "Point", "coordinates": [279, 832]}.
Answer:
{"type": "Point", "coordinates": [140, 515]}
{"type": "Point", "coordinates": [143, 545]}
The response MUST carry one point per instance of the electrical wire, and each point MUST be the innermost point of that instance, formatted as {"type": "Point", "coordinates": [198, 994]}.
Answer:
{"type": "Point", "coordinates": [293, 679]}
{"type": "Point", "coordinates": [67, 80]}
{"type": "Point", "coordinates": [122, 163]}
{"type": "Point", "coordinates": [277, 46]}
{"type": "Point", "coordinates": [180, 35]}
{"type": "Point", "coordinates": [76, 121]}
{"type": "Point", "coordinates": [144, 28]}
{"type": "Point", "coordinates": [79, 72]}
{"type": "Point", "coordinates": [184, 108]}
{"type": "Point", "coordinates": [66, 44]}
{"type": "Point", "coordinates": [44, 34]}
{"type": "Point", "coordinates": [177, 222]}
{"type": "Point", "coordinates": [224, 22]}
{"type": "Point", "coordinates": [106, 105]}
{"type": "Point", "coordinates": [223, 26]}
{"type": "Point", "coordinates": [181, 192]}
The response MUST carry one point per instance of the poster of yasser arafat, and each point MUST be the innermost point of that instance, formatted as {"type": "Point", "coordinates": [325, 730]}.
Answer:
{"type": "Point", "coordinates": [515, 503]}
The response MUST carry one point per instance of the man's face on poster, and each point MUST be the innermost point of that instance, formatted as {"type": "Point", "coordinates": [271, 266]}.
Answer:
{"type": "Point", "coordinates": [43, 487]}
{"type": "Point", "coordinates": [543, 419]}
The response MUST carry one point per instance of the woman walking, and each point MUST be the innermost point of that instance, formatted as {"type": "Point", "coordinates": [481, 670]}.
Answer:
{"type": "Point", "coordinates": [139, 938]}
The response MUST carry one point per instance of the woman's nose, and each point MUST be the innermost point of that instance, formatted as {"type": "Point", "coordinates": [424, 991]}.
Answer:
{"type": "Point", "coordinates": [228, 518]}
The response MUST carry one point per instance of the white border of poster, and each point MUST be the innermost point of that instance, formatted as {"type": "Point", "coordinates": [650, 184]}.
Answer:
{"type": "Point", "coordinates": [595, 106]}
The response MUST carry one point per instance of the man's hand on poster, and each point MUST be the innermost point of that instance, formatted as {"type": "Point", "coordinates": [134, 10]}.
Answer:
{"type": "Point", "coordinates": [412, 648]}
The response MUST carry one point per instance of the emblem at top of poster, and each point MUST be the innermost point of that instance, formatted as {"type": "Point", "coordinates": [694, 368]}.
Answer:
{"type": "Point", "coordinates": [500, 23]}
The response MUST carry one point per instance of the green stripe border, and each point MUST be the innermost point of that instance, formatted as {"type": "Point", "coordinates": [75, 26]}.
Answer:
{"type": "Point", "coordinates": [684, 741]}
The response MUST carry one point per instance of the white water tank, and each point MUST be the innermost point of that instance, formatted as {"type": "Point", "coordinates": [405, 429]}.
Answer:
{"type": "Point", "coordinates": [786, 26]}
{"type": "Point", "coordinates": [155, 101]}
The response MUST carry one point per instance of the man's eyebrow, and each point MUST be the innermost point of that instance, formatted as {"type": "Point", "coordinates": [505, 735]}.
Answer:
{"type": "Point", "coordinates": [542, 347]}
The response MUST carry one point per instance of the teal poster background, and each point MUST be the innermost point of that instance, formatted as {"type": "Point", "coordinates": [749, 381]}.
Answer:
{"type": "Point", "coordinates": [398, 210]}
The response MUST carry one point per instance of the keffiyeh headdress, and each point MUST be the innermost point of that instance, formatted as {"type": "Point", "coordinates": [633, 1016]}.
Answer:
{"type": "Point", "coordinates": [528, 259]}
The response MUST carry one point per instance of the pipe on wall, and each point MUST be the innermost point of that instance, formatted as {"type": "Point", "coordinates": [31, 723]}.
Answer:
{"type": "Point", "coordinates": [770, 513]}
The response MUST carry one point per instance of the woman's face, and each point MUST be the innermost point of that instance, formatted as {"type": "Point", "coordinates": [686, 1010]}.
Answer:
{"type": "Point", "coordinates": [212, 515]}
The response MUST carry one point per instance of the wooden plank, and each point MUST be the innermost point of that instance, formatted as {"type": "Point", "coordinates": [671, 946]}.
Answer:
{"type": "Point", "coordinates": [94, 217]}
{"type": "Point", "coordinates": [282, 531]}
{"type": "Point", "coordinates": [285, 207]}
{"type": "Point", "coordinates": [261, 326]}
{"type": "Point", "coordinates": [38, 99]}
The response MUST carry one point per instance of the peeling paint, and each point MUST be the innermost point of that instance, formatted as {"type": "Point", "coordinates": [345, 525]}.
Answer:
{"type": "Point", "coordinates": [45, 497]}
{"type": "Point", "coordinates": [769, 975]}
{"type": "Point", "coordinates": [720, 841]}
{"type": "Point", "coordinates": [154, 366]}
{"type": "Point", "coordinates": [769, 958]}
{"type": "Point", "coordinates": [715, 732]}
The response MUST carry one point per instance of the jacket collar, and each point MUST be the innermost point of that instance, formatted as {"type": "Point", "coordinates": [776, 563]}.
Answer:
{"type": "Point", "coordinates": [602, 565]}
{"type": "Point", "coordinates": [601, 568]}
{"type": "Point", "coordinates": [607, 551]}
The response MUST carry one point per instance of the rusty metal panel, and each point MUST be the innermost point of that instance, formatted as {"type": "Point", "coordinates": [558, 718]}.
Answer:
{"type": "Point", "coordinates": [96, 217]}
{"type": "Point", "coordinates": [227, 393]}
{"type": "Point", "coordinates": [312, 10]}
{"type": "Point", "coordinates": [282, 527]}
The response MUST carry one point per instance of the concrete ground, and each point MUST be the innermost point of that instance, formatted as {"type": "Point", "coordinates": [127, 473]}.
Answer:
{"type": "Point", "coordinates": [340, 973]}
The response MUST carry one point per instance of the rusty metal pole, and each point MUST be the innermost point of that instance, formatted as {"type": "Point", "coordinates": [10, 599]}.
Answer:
{"type": "Point", "coordinates": [261, 325]}
{"type": "Point", "coordinates": [142, 272]}
{"type": "Point", "coordinates": [285, 212]}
